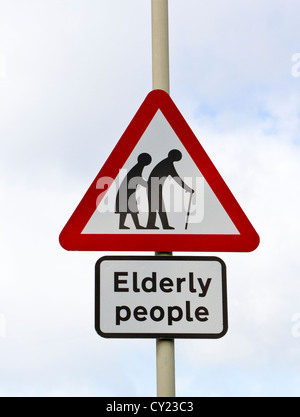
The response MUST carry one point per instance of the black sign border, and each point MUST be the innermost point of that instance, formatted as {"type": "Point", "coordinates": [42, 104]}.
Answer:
{"type": "Point", "coordinates": [161, 335]}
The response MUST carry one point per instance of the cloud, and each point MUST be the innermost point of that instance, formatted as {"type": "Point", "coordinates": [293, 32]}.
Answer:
{"type": "Point", "coordinates": [67, 77]}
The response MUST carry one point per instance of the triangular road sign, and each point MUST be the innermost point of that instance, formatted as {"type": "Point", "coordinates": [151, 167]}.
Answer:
{"type": "Point", "coordinates": [159, 191]}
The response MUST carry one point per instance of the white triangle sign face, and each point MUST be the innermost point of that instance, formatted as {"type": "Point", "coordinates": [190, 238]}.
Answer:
{"type": "Point", "coordinates": [159, 191]}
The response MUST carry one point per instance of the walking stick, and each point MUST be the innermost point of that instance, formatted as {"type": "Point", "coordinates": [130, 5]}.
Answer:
{"type": "Point", "coordinates": [188, 212]}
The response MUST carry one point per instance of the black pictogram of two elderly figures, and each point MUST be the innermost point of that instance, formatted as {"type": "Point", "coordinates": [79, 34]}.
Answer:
{"type": "Point", "coordinates": [126, 200]}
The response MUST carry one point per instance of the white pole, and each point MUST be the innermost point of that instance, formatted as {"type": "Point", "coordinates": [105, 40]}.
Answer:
{"type": "Point", "coordinates": [165, 350]}
{"type": "Point", "coordinates": [165, 362]}
{"type": "Point", "coordinates": [165, 368]}
{"type": "Point", "coordinates": [160, 45]}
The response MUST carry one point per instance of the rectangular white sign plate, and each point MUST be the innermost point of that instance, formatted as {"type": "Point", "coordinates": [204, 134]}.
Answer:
{"type": "Point", "coordinates": [160, 297]}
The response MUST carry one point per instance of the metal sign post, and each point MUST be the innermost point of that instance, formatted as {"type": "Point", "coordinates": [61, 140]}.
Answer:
{"type": "Point", "coordinates": [165, 361]}
{"type": "Point", "coordinates": [160, 45]}
{"type": "Point", "coordinates": [165, 349]}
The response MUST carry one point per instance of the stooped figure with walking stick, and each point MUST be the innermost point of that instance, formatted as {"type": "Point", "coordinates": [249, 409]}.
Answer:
{"type": "Point", "coordinates": [126, 202]}
{"type": "Point", "coordinates": [157, 178]}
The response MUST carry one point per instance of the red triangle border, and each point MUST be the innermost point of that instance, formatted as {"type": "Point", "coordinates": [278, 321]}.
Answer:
{"type": "Point", "coordinates": [72, 239]}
